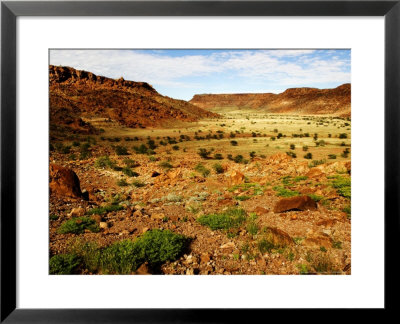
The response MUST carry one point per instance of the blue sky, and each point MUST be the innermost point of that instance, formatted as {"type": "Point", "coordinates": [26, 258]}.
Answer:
{"type": "Point", "coordinates": [183, 73]}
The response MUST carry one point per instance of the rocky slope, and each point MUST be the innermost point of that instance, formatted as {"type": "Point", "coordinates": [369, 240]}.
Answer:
{"type": "Point", "coordinates": [305, 101]}
{"type": "Point", "coordinates": [76, 94]}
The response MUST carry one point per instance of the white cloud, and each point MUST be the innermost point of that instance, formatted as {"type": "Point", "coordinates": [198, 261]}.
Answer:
{"type": "Point", "coordinates": [281, 67]}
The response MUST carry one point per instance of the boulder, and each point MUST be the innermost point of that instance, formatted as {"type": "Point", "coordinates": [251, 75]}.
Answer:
{"type": "Point", "coordinates": [64, 182]}
{"type": "Point", "coordinates": [295, 203]}
{"type": "Point", "coordinates": [260, 210]}
{"type": "Point", "coordinates": [278, 237]}
{"type": "Point", "coordinates": [77, 212]}
{"type": "Point", "coordinates": [236, 178]}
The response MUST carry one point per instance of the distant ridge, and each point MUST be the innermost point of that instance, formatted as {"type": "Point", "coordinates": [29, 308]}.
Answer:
{"type": "Point", "coordinates": [305, 101]}
{"type": "Point", "coordinates": [75, 94]}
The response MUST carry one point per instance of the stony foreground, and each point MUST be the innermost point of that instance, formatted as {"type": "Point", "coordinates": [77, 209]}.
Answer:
{"type": "Point", "coordinates": [289, 217]}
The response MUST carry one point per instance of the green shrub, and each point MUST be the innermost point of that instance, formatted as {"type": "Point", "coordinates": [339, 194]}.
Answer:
{"type": "Point", "coordinates": [242, 198]}
{"type": "Point", "coordinates": [104, 162]}
{"type": "Point", "coordinates": [122, 183]}
{"type": "Point", "coordinates": [218, 156]}
{"type": "Point", "coordinates": [218, 168]}
{"type": "Point", "coordinates": [332, 156]}
{"type": "Point", "coordinates": [299, 178]}
{"type": "Point", "coordinates": [315, 197]}
{"type": "Point", "coordinates": [234, 143]}
{"type": "Point", "coordinates": [291, 154]}
{"type": "Point", "coordinates": [138, 184]}
{"type": "Point", "coordinates": [175, 148]}
{"type": "Point", "coordinates": [84, 151]}
{"type": "Point", "coordinates": [292, 146]}
{"type": "Point", "coordinates": [129, 172]}
{"type": "Point", "coordinates": [130, 163]}
{"type": "Point", "coordinates": [308, 156]}
{"type": "Point", "coordinates": [229, 219]}
{"type": "Point", "coordinates": [158, 246]}
{"type": "Point", "coordinates": [252, 228]}
{"type": "Point", "coordinates": [63, 264]}
{"type": "Point", "coordinates": [78, 225]}
{"type": "Point", "coordinates": [343, 135]}
{"type": "Point", "coordinates": [238, 158]}
{"type": "Point", "coordinates": [166, 165]}
{"type": "Point", "coordinates": [53, 217]}
{"type": "Point", "coordinates": [202, 170]}
{"type": "Point", "coordinates": [342, 186]}
{"type": "Point", "coordinates": [142, 149]}
{"type": "Point", "coordinates": [121, 150]}
{"type": "Point", "coordinates": [314, 163]}
{"type": "Point", "coordinates": [204, 153]}
{"type": "Point", "coordinates": [284, 192]}
{"type": "Point", "coordinates": [305, 148]}
{"type": "Point", "coordinates": [265, 246]}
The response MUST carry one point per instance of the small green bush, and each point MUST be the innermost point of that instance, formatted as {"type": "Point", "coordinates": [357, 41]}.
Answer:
{"type": "Point", "coordinates": [53, 217]}
{"type": "Point", "coordinates": [242, 198]}
{"type": "Point", "coordinates": [202, 170]}
{"type": "Point", "coordinates": [204, 153]}
{"type": "Point", "coordinates": [104, 162]}
{"type": "Point", "coordinates": [166, 165]}
{"type": "Point", "coordinates": [234, 143]}
{"type": "Point", "coordinates": [218, 156]}
{"type": "Point", "coordinates": [342, 186]}
{"type": "Point", "coordinates": [265, 246]}
{"type": "Point", "coordinates": [129, 172]}
{"type": "Point", "coordinates": [121, 150]}
{"type": "Point", "coordinates": [63, 264]}
{"type": "Point", "coordinates": [284, 192]}
{"type": "Point", "coordinates": [218, 168]}
{"type": "Point", "coordinates": [308, 156]}
{"type": "Point", "coordinates": [226, 220]}
{"type": "Point", "coordinates": [122, 183]}
{"type": "Point", "coordinates": [78, 225]}
{"type": "Point", "coordinates": [138, 184]}
{"type": "Point", "coordinates": [130, 163]}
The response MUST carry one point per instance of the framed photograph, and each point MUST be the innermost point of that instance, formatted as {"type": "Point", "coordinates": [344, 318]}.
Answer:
{"type": "Point", "coordinates": [160, 158]}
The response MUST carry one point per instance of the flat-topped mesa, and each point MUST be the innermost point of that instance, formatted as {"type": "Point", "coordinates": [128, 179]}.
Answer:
{"type": "Point", "coordinates": [307, 101]}
{"type": "Point", "coordinates": [65, 74]}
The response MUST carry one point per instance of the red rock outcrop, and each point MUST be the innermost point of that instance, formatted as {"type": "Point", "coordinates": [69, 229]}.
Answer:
{"type": "Point", "coordinates": [64, 182]}
{"type": "Point", "coordinates": [295, 203]}
{"type": "Point", "coordinates": [76, 94]}
{"type": "Point", "coordinates": [304, 101]}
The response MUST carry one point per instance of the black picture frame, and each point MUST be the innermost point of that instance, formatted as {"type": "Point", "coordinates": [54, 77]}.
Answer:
{"type": "Point", "coordinates": [10, 10]}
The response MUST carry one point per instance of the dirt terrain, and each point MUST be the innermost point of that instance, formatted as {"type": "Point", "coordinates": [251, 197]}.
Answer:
{"type": "Point", "coordinates": [301, 101]}
{"type": "Point", "coordinates": [238, 191]}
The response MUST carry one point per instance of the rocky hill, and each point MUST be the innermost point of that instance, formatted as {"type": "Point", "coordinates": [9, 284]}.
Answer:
{"type": "Point", "coordinates": [306, 101]}
{"type": "Point", "coordinates": [76, 94]}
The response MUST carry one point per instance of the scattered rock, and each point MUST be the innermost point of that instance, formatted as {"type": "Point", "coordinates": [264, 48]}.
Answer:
{"type": "Point", "coordinates": [97, 218]}
{"type": "Point", "coordinates": [205, 257]}
{"type": "Point", "coordinates": [260, 210]}
{"type": "Point", "coordinates": [77, 212]}
{"type": "Point", "coordinates": [103, 225]}
{"type": "Point", "coordinates": [278, 237]}
{"type": "Point", "coordinates": [143, 270]}
{"type": "Point", "coordinates": [237, 178]}
{"type": "Point", "coordinates": [158, 215]}
{"type": "Point", "coordinates": [295, 203]}
{"type": "Point", "coordinates": [228, 245]}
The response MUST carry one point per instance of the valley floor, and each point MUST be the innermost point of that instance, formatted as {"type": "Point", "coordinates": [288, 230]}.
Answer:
{"type": "Point", "coordinates": [218, 183]}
